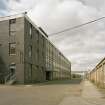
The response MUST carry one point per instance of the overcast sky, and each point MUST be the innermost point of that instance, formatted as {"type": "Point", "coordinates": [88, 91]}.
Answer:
{"type": "Point", "coordinates": [85, 46]}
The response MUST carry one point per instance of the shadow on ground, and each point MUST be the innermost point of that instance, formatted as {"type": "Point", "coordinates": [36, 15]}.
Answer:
{"type": "Point", "coordinates": [54, 82]}
{"type": "Point", "coordinates": [61, 82]}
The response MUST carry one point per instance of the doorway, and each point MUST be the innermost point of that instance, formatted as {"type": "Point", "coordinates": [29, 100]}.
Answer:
{"type": "Point", "coordinates": [48, 75]}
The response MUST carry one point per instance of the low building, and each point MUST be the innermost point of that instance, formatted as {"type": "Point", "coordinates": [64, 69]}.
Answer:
{"type": "Point", "coordinates": [27, 54]}
{"type": "Point", "coordinates": [97, 75]}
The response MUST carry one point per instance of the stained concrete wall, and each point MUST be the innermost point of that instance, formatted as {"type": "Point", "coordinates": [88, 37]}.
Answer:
{"type": "Point", "coordinates": [34, 65]}
{"type": "Point", "coordinates": [5, 38]}
{"type": "Point", "coordinates": [98, 74]}
{"type": "Point", "coordinates": [44, 62]}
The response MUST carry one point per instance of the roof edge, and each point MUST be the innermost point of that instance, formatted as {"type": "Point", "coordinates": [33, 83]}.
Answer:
{"type": "Point", "coordinates": [2, 18]}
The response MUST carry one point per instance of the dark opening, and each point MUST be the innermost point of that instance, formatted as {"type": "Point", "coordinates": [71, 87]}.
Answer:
{"type": "Point", "coordinates": [12, 71]}
{"type": "Point", "coordinates": [1, 80]}
{"type": "Point", "coordinates": [12, 68]}
{"type": "Point", "coordinates": [48, 75]}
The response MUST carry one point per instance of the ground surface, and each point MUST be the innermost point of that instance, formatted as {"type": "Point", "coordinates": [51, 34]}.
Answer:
{"type": "Point", "coordinates": [68, 92]}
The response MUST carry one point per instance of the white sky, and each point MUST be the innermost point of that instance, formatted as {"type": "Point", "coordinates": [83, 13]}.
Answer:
{"type": "Point", "coordinates": [85, 46]}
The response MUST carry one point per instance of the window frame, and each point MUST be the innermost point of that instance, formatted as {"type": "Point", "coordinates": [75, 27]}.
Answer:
{"type": "Point", "coordinates": [12, 21]}
{"type": "Point", "coordinates": [10, 52]}
{"type": "Point", "coordinates": [30, 30]}
{"type": "Point", "coordinates": [30, 51]}
{"type": "Point", "coordinates": [12, 32]}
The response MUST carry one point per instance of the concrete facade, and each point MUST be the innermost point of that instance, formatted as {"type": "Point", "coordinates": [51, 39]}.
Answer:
{"type": "Point", "coordinates": [97, 75]}
{"type": "Point", "coordinates": [27, 53]}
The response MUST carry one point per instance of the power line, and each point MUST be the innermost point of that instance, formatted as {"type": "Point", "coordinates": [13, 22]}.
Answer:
{"type": "Point", "coordinates": [67, 29]}
{"type": "Point", "coordinates": [75, 27]}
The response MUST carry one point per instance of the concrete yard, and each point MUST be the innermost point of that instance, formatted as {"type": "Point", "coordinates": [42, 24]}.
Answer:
{"type": "Point", "coordinates": [68, 92]}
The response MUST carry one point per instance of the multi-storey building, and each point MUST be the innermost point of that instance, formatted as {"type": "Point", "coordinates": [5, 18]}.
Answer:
{"type": "Point", "coordinates": [27, 55]}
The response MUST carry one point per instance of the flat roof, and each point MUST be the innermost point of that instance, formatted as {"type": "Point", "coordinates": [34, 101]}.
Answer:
{"type": "Point", "coordinates": [2, 18]}
{"type": "Point", "coordinates": [98, 64]}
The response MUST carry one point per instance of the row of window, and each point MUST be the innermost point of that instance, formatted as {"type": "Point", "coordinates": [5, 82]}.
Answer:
{"type": "Point", "coordinates": [37, 38]}
{"type": "Point", "coordinates": [12, 45]}
{"type": "Point", "coordinates": [12, 31]}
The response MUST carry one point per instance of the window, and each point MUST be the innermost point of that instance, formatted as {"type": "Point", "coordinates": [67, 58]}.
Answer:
{"type": "Point", "coordinates": [43, 53]}
{"type": "Point", "coordinates": [37, 36]}
{"type": "Point", "coordinates": [30, 73]}
{"type": "Point", "coordinates": [12, 48]}
{"type": "Point", "coordinates": [12, 68]}
{"type": "Point", "coordinates": [43, 41]}
{"type": "Point", "coordinates": [37, 67]}
{"type": "Point", "coordinates": [37, 55]}
{"type": "Point", "coordinates": [30, 51]}
{"type": "Point", "coordinates": [30, 31]}
{"type": "Point", "coordinates": [12, 21]}
{"type": "Point", "coordinates": [12, 33]}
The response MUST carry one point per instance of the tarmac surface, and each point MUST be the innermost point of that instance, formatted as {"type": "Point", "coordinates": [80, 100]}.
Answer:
{"type": "Point", "coordinates": [68, 92]}
{"type": "Point", "coordinates": [90, 95]}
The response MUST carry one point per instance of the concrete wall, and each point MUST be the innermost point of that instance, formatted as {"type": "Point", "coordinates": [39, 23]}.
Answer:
{"type": "Point", "coordinates": [36, 58]}
{"type": "Point", "coordinates": [36, 72]}
{"type": "Point", "coordinates": [47, 61]}
{"type": "Point", "coordinates": [56, 63]}
{"type": "Point", "coordinates": [98, 74]}
{"type": "Point", "coordinates": [19, 50]}
{"type": "Point", "coordinates": [5, 38]}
